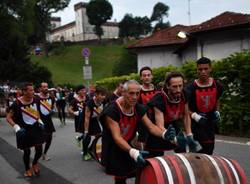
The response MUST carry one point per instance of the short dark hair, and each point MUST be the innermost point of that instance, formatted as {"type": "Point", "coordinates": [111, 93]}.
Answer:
{"type": "Point", "coordinates": [100, 90]}
{"type": "Point", "coordinates": [25, 85]}
{"type": "Point", "coordinates": [121, 82]}
{"type": "Point", "coordinates": [80, 87]}
{"type": "Point", "coordinates": [203, 60]}
{"type": "Point", "coordinates": [42, 83]}
{"type": "Point", "coordinates": [171, 75]}
{"type": "Point", "coordinates": [145, 68]}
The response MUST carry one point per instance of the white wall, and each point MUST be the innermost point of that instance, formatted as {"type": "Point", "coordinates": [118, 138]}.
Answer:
{"type": "Point", "coordinates": [219, 49]}
{"type": "Point", "coordinates": [83, 30]}
{"type": "Point", "coordinates": [190, 53]}
{"type": "Point", "coordinates": [218, 45]}
{"type": "Point", "coordinates": [67, 34]}
{"type": "Point", "coordinates": [155, 58]}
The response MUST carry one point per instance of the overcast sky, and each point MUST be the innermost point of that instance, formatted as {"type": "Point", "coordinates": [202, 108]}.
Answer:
{"type": "Point", "coordinates": [201, 10]}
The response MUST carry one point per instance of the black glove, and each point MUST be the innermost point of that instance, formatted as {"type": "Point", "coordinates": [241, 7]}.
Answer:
{"type": "Point", "coordinates": [138, 156]}
{"type": "Point", "coordinates": [215, 117]}
{"type": "Point", "coordinates": [194, 146]}
{"type": "Point", "coordinates": [20, 132]}
{"type": "Point", "coordinates": [51, 112]}
{"type": "Point", "coordinates": [200, 118]}
{"type": "Point", "coordinates": [40, 124]}
{"type": "Point", "coordinates": [169, 134]}
{"type": "Point", "coordinates": [181, 140]}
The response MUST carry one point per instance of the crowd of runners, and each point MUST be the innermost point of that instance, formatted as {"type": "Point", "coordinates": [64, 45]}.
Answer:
{"type": "Point", "coordinates": [136, 121]}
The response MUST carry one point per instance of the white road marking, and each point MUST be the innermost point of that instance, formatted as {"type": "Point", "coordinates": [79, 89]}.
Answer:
{"type": "Point", "coordinates": [233, 142]}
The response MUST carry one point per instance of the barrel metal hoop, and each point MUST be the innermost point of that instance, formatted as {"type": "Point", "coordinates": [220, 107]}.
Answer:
{"type": "Point", "coordinates": [177, 169]}
{"type": "Point", "coordinates": [217, 168]}
{"type": "Point", "coordinates": [224, 165]}
{"type": "Point", "coordinates": [240, 171]}
{"type": "Point", "coordinates": [233, 169]}
{"type": "Point", "coordinates": [189, 168]}
{"type": "Point", "coordinates": [167, 170]}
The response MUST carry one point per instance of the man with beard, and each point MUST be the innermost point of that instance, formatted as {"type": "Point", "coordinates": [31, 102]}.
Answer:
{"type": "Point", "coordinates": [24, 117]}
{"type": "Point", "coordinates": [204, 94]}
{"type": "Point", "coordinates": [171, 108]}
{"type": "Point", "coordinates": [121, 119]}
{"type": "Point", "coordinates": [46, 110]}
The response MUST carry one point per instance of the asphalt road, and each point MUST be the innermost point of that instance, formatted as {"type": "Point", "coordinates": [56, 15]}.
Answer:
{"type": "Point", "coordinates": [67, 167]}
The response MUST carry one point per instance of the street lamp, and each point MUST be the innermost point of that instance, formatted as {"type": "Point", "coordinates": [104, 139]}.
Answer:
{"type": "Point", "coordinates": [184, 35]}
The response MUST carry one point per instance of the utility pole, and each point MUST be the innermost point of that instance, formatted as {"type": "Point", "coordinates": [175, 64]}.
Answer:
{"type": "Point", "coordinates": [189, 13]}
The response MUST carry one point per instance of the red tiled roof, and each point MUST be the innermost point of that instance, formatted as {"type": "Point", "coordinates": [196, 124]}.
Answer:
{"type": "Point", "coordinates": [163, 37]}
{"type": "Point", "coordinates": [168, 36]}
{"type": "Point", "coordinates": [225, 19]}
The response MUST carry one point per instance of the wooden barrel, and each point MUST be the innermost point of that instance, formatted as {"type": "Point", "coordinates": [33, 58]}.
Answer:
{"type": "Point", "coordinates": [192, 169]}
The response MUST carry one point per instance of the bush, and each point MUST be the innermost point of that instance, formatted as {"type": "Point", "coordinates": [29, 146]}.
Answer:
{"type": "Point", "coordinates": [233, 72]}
{"type": "Point", "coordinates": [126, 65]}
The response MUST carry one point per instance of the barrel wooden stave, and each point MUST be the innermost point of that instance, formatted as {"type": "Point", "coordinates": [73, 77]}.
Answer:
{"type": "Point", "coordinates": [192, 169]}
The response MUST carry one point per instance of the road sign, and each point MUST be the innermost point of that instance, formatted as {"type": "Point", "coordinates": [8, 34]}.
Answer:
{"type": "Point", "coordinates": [86, 52]}
{"type": "Point", "coordinates": [87, 72]}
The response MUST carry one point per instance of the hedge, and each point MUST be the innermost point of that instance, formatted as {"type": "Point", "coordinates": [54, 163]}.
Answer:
{"type": "Point", "coordinates": [233, 72]}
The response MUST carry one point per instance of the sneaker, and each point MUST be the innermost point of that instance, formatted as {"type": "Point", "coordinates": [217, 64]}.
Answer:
{"type": "Point", "coordinates": [28, 173]}
{"type": "Point", "coordinates": [87, 157]}
{"type": "Point", "coordinates": [36, 169]}
{"type": "Point", "coordinates": [45, 157]}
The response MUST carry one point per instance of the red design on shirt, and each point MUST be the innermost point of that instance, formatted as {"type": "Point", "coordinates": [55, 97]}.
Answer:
{"type": "Point", "coordinates": [206, 98]}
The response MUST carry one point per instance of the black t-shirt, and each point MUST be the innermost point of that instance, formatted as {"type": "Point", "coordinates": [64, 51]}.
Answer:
{"type": "Point", "coordinates": [46, 105]}
{"type": "Point", "coordinates": [78, 105]}
{"type": "Point", "coordinates": [114, 112]}
{"type": "Point", "coordinates": [145, 96]}
{"type": "Point", "coordinates": [192, 95]}
{"type": "Point", "coordinates": [94, 108]}
{"type": "Point", "coordinates": [25, 114]}
{"type": "Point", "coordinates": [116, 161]}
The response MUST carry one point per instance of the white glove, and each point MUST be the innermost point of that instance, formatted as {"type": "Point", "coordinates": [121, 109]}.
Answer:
{"type": "Point", "coordinates": [40, 121]}
{"type": "Point", "coordinates": [76, 113]}
{"type": "Point", "coordinates": [16, 127]}
{"type": "Point", "coordinates": [134, 153]}
{"type": "Point", "coordinates": [196, 117]}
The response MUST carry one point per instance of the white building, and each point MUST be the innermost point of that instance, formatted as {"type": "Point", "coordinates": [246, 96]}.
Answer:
{"type": "Point", "coordinates": [80, 29]}
{"type": "Point", "coordinates": [216, 38]}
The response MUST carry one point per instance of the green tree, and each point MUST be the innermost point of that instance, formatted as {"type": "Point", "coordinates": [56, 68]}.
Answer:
{"type": "Point", "coordinates": [41, 21]}
{"type": "Point", "coordinates": [98, 12]}
{"type": "Point", "coordinates": [126, 25]}
{"type": "Point", "coordinates": [142, 26]}
{"type": "Point", "coordinates": [15, 26]}
{"type": "Point", "coordinates": [127, 64]}
{"type": "Point", "coordinates": [134, 26]}
{"type": "Point", "coordinates": [160, 11]}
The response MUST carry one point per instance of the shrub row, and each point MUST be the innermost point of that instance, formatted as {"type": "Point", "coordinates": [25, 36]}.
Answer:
{"type": "Point", "coordinates": [234, 74]}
